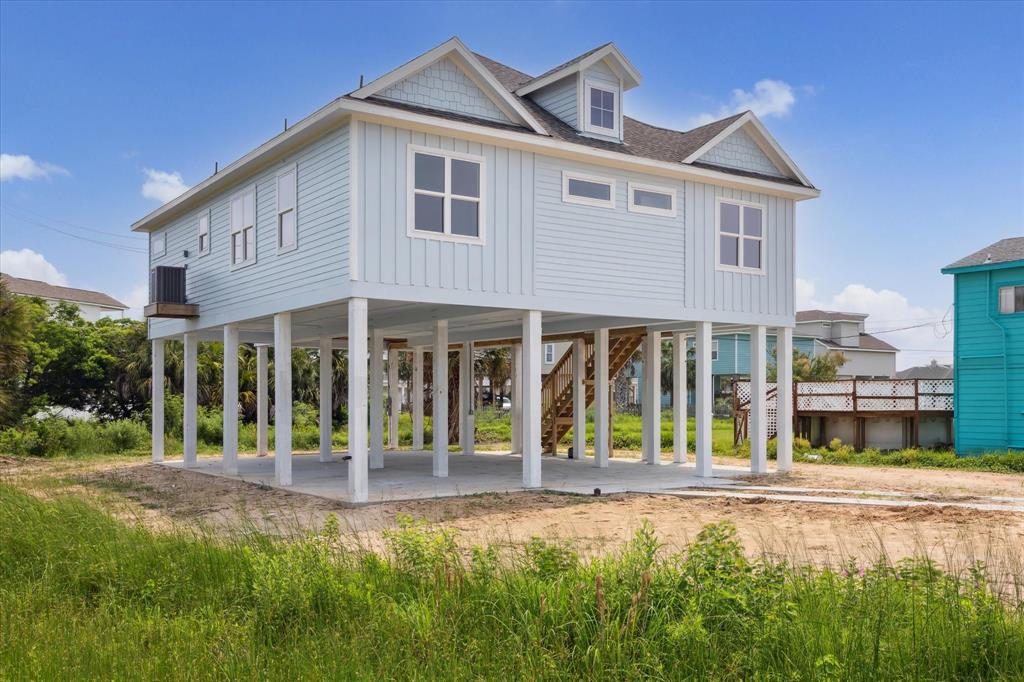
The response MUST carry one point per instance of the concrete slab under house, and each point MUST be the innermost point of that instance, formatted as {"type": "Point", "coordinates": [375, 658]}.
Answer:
{"type": "Point", "coordinates": [457, 203]}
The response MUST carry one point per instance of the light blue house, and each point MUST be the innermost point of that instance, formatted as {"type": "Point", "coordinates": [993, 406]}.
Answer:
{"type": "Point", "coordinates": [988, 355]}
{"type": "Point", "coordinates": [456, 201]}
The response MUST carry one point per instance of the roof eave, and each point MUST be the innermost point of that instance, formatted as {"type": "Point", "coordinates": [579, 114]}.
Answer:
{"type": "Point", "coordinates": [631, 77]}
{"type": "Point", "coordinates": [950, 270]}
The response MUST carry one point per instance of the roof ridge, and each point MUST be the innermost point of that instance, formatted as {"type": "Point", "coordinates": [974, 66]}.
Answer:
{"type": "Point", "coordinates": [687, 132]}
{"type": "Point", "coordinates": [578, 58]}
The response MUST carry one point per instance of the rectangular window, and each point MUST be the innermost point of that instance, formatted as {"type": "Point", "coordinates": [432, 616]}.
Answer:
{"type": "Point", "coordinates": [243, 228]}
{"type": "Point", "coordinates": [601, 108]}
{"type": "Point", "coordinates": [740, 227]}
{"type": "Point", "coordinates": [589, 190]}
{"type": "Point", "coordinates": [1011, 300]}
{"type": "Point", "coordinates": [652, 200]}
{"type": "Point", "coordinates": [446, 198]}
{"type": "Point", "coordinates": [549, 353]}
{"type": "Point", "coordinates": [157, 244]}
{"type": "Point", "coordinates": [714, 349]}
{"type": "Point", "coordinates": [204, 233]}
{"type": "Point", "coordinates": [287, 237]}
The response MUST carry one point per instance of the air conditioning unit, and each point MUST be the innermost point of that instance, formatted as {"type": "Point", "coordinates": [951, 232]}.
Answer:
{"type": "Point", "coordinates": [167, 294]}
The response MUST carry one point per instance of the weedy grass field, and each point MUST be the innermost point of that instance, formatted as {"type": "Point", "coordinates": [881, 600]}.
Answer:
{"type": "Point", "coordinates": [84, 596]}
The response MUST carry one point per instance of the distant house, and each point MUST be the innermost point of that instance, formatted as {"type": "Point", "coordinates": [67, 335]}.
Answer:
{"type": "Point", "coordinates": [92, 305]}
{"type": "Point", "coordinates": [988, 347]}
{"type": "Point", "coordinates": [935, 370]}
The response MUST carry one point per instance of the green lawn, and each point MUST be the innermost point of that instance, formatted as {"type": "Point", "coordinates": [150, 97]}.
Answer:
{"type": "Point", "coordinates": [83, 596]}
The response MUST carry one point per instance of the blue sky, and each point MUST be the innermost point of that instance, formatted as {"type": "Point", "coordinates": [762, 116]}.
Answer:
{"type": "Point", "coordinates": [910, 117]}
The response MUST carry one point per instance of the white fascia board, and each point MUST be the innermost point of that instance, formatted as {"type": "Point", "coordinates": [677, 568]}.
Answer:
{"type": "Point", "coordinates": [378, 113]}
{"type": "Point", "coordinates": [762, 138]}
{"type": "Point", "coordinates": [477, 72]}
{"type": "Point", "coordinates": [341, 108]}
{"type": "Point", "coordinates": [622, 67]}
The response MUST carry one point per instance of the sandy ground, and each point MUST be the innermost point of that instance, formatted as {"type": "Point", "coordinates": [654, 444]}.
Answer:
{"type": "Point", "coordinates": [164, 498]}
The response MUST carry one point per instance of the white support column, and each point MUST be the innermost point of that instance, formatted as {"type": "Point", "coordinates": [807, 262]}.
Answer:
{"type": "Point", "coordinates": [157, 405]}
{"type": "Point", "coordinates": [376, 399]}
{"type": "Point", "coordinates": [229, 463]}
{"type": "Point", "coordinates": [705, 399]}
{"type": "Point", "coordinates": [467, 426]}
{"type": "Point", "coordinates": [326, 397]}
{"type": "Point", "coordinates": [417, 399]}
{"type": "Point", "coordinates": [579, 400]}
{"type": "Point", "coordinates": [283, 398]}
{"type": "Point", "coordinates": [784, 399]}
{"type": "Point", "coordinates": [358, 465]}
{"type": "Point", "coordinates": [679, 393]}
{"type": "Point", "coordinates": [189, 447]}
{"type": "Point", "coordinates": [440, 381]}
{"type": "Point", "coordinates": [517, 398]}
{"type": "Point", "coordinates": [532, 379]}
{"type": "Point", "coordinates": [262, 399]}
{"type": "Point", "coordinates": [602, 402]}
{"type": "Point", "coordinates": [652, 398]}
{"type": "Point", "coordinates": [758, 400]}
{"type": "Point", "coordinates": [394, 397]}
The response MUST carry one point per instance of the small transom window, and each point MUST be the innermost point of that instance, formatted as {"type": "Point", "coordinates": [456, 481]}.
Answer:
{"type": "Point", "coordinates": [740, 236]}
{"type": "Point", "coordinates": [588, 189]}
{"type": "Point", "coordinates": [652, 200]}
{"type": "Point", "coordinates": [446, 195]}
{"type": "Point", "coordinates": [1011, 300]}
{"type": "Point", "coordinates": [601, 109]}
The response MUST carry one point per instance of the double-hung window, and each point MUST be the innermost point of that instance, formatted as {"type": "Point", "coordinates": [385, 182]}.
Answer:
{"type": "Point", "coordinates": [740, 236]}
{"type": "Point", "coordinates": [1011, 300]}
{"type": "Point", "coordinates": [204, 233]}
{"type": "Point", "coordinates": [590, 190]}
{"type": "Point", "coordinates": [652, 200]}
{"type": "Point", "coordinates": [601, 109]}
{"type": "Point", "coordinates": [287, 236]}
{"type": "Point", "coordinates": [243, 228]}
{"type": "Point", "coordinates": [549, 353]}
{"type": "Point", "coordinates": [157, 244]}
{"type": "Point", "coordinates": [446, 195]}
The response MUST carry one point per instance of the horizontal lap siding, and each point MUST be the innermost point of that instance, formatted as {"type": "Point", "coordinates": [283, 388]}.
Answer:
{"type": "Point", "coordinates": [989, 370]}
{"type": "Point", "coordinates": [560, 99]}
{"type": "Point", "coordinates": [711, 289]}
{"type": "Point", "coordinates": [319, 262]}
{"type": "Point", "coordinates": [388, 255]}
{"type": "Point", "coordinates": [600, 253]}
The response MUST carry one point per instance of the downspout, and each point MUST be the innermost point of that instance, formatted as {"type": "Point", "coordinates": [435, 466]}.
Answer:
{"type": "Point", "coordinates": [1006, 377]}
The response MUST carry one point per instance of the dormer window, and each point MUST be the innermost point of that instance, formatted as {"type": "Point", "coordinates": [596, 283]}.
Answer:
{"type": "Point", "coordinates": [602, 109]}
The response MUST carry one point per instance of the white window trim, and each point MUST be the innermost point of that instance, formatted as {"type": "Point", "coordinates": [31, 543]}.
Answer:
{"type": "Point", "coordinates": [410, 196]}
{"type": "Point", "coordinates": [163, 240]}
{"type": "Point", "coordinates": [587, 201]}
{"type": "Point", "coordinates": [714, 350]}
{"type": "Point", "coordinates": [649, 210]}
{"type": "Point", "coordinates": [718, 236]}
{"type": "Point", "coordinates": [549, 352]}
{"type": "Point", "coordinates": [294, 169]}
{"type": "Point", "coordinates": [589, 127]}
{"type": "Point", "coordinates": [205, 213]}
{"type": "Point", "coordinates": [256, 233]}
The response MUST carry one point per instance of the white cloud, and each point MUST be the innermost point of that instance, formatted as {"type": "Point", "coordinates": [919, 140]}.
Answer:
{"type": "Point", "coordinates": [920, 332]}
{"type": "Point", "coordinates": [769, 98]}
{"type": "Point", "coordinates": [28, 264]}
{"type": "Point", "coordinates": [24, 167]}
{"type": "Point", "coordinates": [163, 186]}
{"type": "Point", "coordinates": [136, 300]}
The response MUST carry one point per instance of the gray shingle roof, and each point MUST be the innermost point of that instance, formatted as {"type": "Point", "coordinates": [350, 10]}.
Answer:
{"type": "Point", "coordinates": [575, 60]}
{"type": "Point", "coordinates": [864, 342]}
{"type": "Point", "coordinates": [35, 288]}
{"type": "Point", "coordinates": [830, 315]}
{"type": "Point", "coordinates": [932, 371]}
{"type": "Point", "coordinates": [1003, 251]}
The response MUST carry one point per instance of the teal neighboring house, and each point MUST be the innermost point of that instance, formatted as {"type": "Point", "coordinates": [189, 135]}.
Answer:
{"type": "Point", "coordinates": [988, 356]}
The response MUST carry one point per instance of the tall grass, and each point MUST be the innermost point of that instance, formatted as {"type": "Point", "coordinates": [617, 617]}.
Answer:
{"type": "Point", "coordinates": [85, 597]}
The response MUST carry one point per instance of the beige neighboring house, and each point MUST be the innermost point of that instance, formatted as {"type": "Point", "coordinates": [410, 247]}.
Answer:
{"type": "Point", "coordinates": [867, 356]}
{"type": "Point", "coordinates": [91, 304]}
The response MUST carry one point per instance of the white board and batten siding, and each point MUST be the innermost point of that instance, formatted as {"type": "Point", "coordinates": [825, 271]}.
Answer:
{"type": "Point", "coordinates": [317, 270]}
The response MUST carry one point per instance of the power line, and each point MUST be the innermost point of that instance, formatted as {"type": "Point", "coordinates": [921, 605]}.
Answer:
{"type": "Point", "coordinates": [14, 210]}
{"type": "Point", "coordinates": [109, 245]}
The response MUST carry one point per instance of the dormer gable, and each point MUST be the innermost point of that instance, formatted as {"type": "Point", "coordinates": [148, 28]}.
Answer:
{"type": "Point", "coordinates": [587, 91]}
{"type": "Point", "coordinates": [451, 78]}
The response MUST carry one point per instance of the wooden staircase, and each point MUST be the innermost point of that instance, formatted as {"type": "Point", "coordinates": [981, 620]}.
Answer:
{"type": "Point", "coordinates": [556, 391]}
